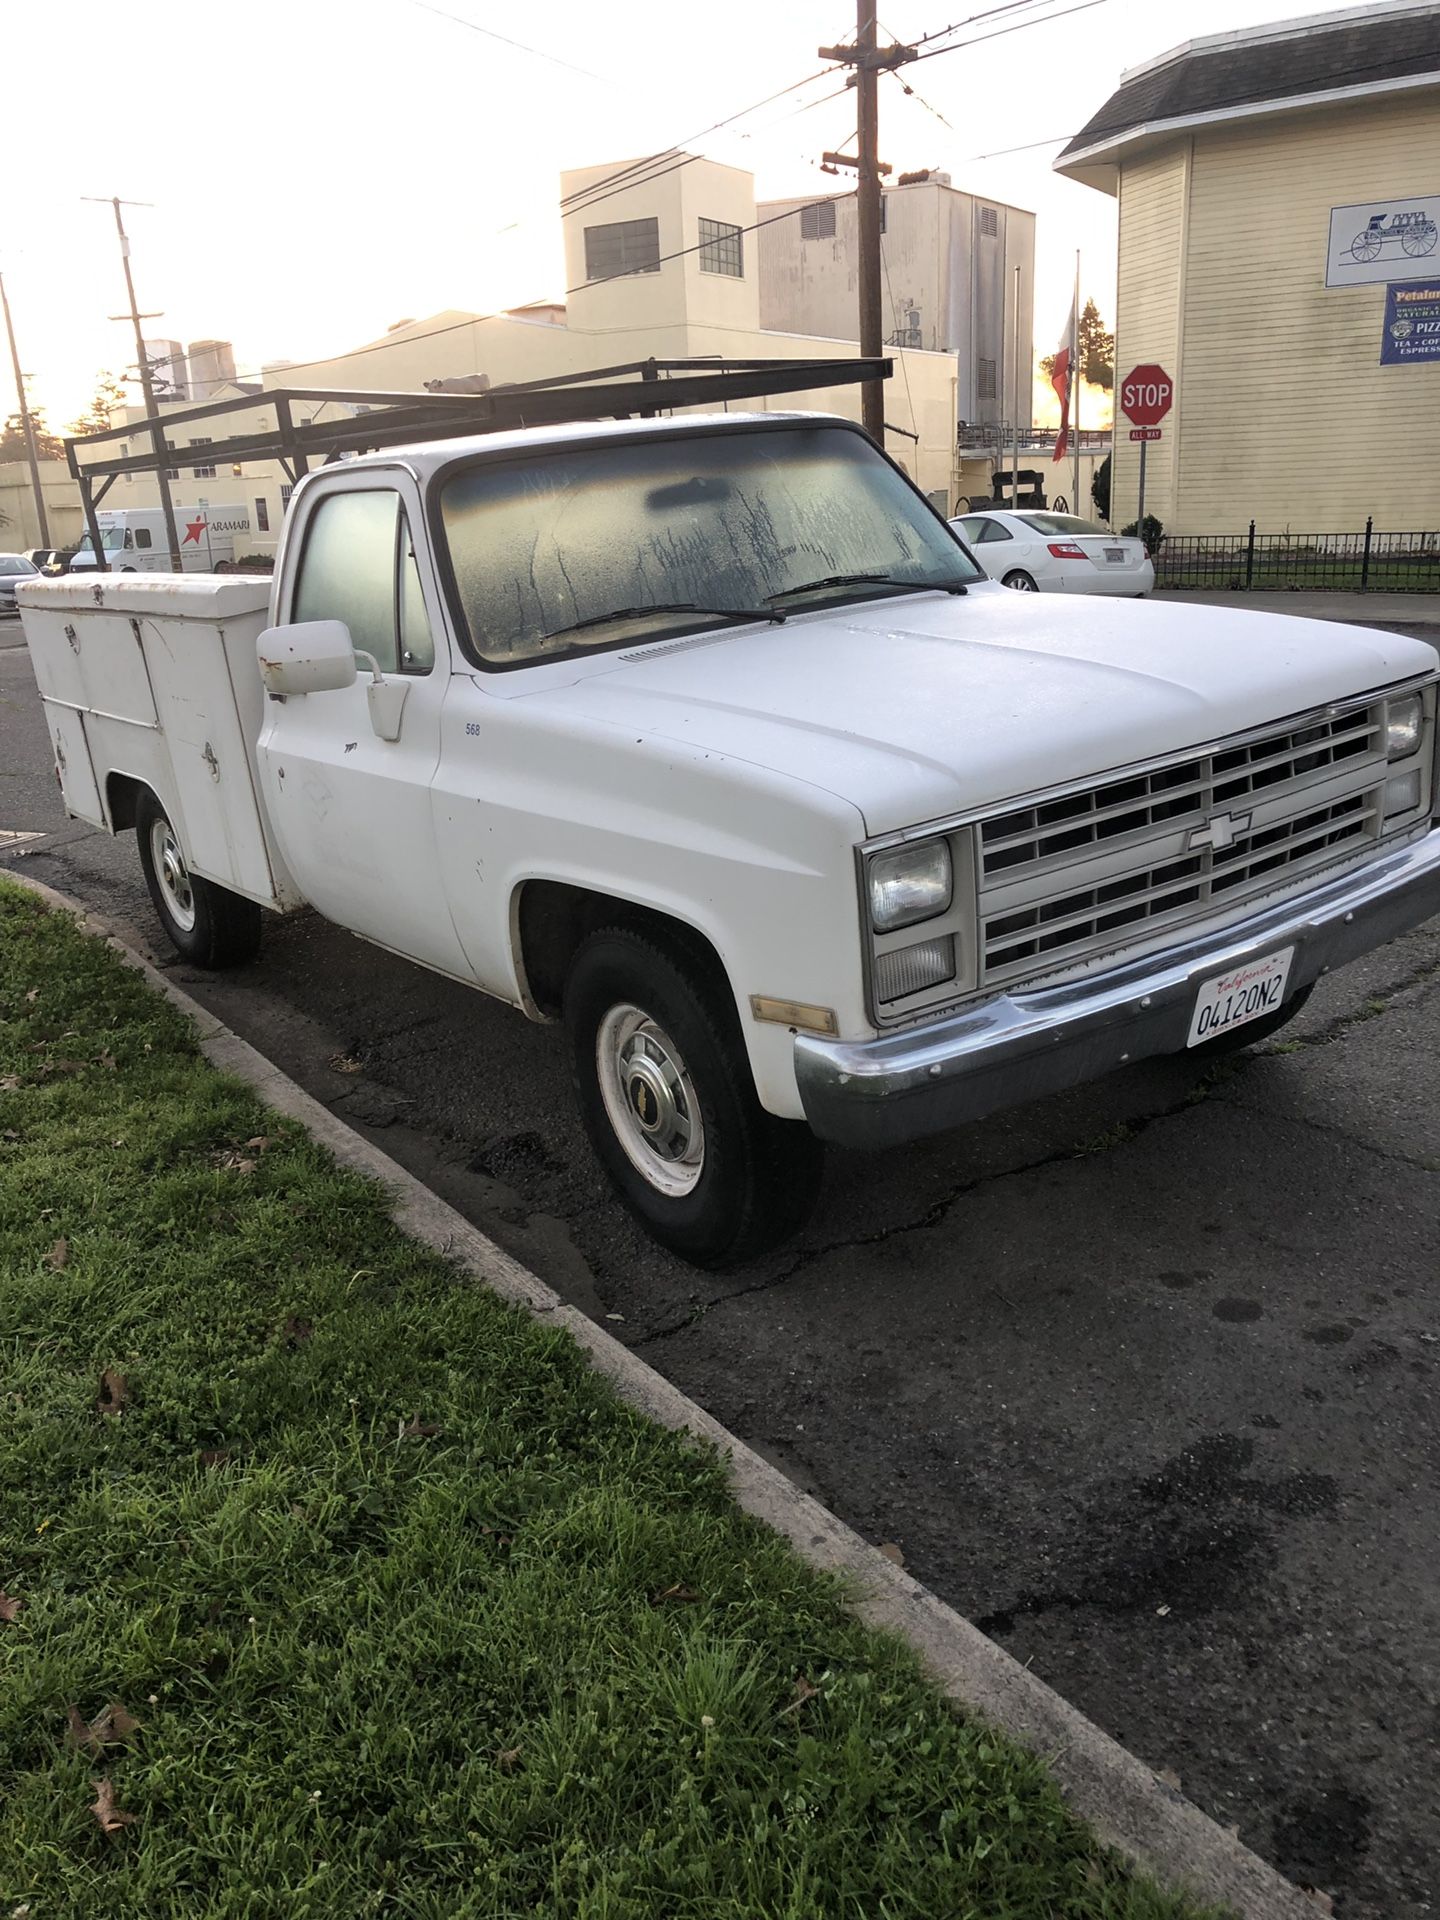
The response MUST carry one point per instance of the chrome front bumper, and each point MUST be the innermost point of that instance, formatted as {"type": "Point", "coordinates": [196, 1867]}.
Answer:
{"type": "Point", "coordinates": [1024, 1044]}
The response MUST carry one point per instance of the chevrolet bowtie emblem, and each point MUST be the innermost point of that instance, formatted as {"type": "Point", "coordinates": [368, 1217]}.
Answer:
{"type": "Point", "coordinates": [1221, 830]}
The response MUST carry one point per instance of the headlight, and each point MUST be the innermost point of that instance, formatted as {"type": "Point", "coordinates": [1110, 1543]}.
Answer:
{"type": "Point", "coordinates": [1404, 720]}
{"type": "Point", "coordinates": [910, 884]}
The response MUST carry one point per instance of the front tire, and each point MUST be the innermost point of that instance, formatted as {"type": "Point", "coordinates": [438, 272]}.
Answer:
{"type": "Point", "coordinates": [204, 923]}
{"type": "Point", "coordinates": [668, 1102]}
{"type": "Point", "coordinates": [1021, 581]}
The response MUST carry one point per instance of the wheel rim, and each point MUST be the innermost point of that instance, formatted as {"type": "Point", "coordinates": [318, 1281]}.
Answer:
{"type": "Point", "coordinates": [650, 1100]}
{"type": "Point", "coordinates": [1020, 582]}
{"type": "Point", "coordinates": [173, 874]}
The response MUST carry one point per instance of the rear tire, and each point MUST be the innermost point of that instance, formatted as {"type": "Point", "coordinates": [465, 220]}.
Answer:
{"type": "Point", "coordinates": [1021, 581]}
{"type": "Point", "coordinates": [204, 923]}
{"type": "Point", "coordinates": [668, 1102]}
{"type": "Point", "coordinates": [1253, 1031]}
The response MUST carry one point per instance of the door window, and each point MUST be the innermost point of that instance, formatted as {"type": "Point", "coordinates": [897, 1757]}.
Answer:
{"type": "Point", "coordinates": [978, 532]}
{"type": "Point", "coordinates": [358, 566]}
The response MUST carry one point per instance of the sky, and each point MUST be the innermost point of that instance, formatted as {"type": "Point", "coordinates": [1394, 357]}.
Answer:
{"type": "Point", "coordinates": [320, 169]}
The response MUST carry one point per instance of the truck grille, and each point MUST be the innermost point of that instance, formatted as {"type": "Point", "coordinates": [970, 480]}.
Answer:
{"type": "Point", "coordinates": [1081, 873]}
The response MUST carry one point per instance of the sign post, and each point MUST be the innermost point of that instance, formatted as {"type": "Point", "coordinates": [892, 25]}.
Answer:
{"type": "Point", "coordinates": [1146, 395]}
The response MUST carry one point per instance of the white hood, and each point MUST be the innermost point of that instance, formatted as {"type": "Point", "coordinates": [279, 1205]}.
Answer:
{"type": "Point", "coordinates": [935, 705]}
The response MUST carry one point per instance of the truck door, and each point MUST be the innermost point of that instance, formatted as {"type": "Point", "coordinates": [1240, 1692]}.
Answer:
{"type": "Point", "coordinates": [352, 812]}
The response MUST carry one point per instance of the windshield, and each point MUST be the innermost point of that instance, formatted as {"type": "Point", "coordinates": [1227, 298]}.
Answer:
{"type": "Point", "coordinates": [638, 539]}
{"type": "Point", "coordinates": [16, 563]}
{"type": "Point", "coordinates": [111, 538]}
{"type": "Point", "coordinates": [1061, 523]}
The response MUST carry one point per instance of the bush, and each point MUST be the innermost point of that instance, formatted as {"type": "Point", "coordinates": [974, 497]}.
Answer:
{"type": "Point", "coordinates": [1153, 533]}
{"type": "Point", "coordinates": [1100, 489]}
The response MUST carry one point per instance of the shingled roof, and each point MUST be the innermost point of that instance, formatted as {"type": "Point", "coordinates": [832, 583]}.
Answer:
{"type": "Point", "coordinates": [1357, 50]}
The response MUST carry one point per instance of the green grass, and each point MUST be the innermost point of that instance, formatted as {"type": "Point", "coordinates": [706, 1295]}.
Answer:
{"type": "Point", "coordinates": [527, 1658]}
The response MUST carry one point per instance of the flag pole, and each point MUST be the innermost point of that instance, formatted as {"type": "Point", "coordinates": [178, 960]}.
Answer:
{"type": "Point", "coordinates": [1015, 402]}
{"type": "Point", "coordinates": [1075, 372]}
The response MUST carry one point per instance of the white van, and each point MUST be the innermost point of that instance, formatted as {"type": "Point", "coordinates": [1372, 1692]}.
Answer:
{"type": "Point", "coordinates": [135, 540]}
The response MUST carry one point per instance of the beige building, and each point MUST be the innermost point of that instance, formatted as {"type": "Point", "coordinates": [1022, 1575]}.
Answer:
{"type": "Point", "coordinates": [1273, 186]}
{"type": "Point", "coordinates": [660, 262]}
{"type": "Point", "coordinates": [958, 278]}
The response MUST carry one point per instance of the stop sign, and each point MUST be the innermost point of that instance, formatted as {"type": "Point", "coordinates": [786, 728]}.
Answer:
{"type": "Point", "coordinates": [1146, 394]}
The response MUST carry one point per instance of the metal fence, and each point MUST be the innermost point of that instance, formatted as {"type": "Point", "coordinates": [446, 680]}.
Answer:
{"type": "Point", "coordinates": [1367, 562]}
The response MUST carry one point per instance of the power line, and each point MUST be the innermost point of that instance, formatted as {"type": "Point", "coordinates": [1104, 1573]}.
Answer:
{"type": "Point", "coordinates": [1040, 20]}
{"type": "Point", "coordinates": [490, 34]}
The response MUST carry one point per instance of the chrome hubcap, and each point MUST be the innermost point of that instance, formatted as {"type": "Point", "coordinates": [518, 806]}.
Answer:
{"type": "Point", "coordinates": [650, 1100]}
{"type": "Point", "coordinates": [174, 875]}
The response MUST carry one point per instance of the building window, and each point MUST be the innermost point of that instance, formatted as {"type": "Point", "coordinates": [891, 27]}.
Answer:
{"type": "Point", "coordinates": [202, 473]}
{"type": "Point", "coordinates": [985, 379]}
{"type": "Point", "coordinates": [262, 516]}
{"type": "Point", "coordinates": [721, 249]}
{"type": "Point", "coordinates": [882, 213]}
{"type": "Point", "coordinates": [286, 489]}
{"type": "Point", "coordinates": [624, 246]}
{"type": "Point", "coordinates": [817, 221]}
{"type": "Point", "coordinates": [990, 223]}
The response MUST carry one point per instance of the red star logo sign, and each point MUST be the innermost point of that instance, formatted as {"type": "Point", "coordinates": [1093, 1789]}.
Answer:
{"type": "Point", "coordinates": [193, 531]}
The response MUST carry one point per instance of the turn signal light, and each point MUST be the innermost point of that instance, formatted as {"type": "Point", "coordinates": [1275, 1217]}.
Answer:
{"type": "Point", "coordinates": [1067, 550]}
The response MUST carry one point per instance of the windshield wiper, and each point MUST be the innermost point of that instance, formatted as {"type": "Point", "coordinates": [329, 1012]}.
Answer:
{"type": "Point", "coordinates": [871, 580]}
{"type": "Point", "coordinates": [738, 615]}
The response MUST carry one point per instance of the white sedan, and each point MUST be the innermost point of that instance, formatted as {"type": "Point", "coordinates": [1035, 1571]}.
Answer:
{"type": "Point", "coordinates": [1055, 553]}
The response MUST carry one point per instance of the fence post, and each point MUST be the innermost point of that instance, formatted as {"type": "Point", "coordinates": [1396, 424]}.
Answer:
{"type": "Point", "coordinates": [1250, 558]}
{"type": "Point", "coordinates": [1365, 557]}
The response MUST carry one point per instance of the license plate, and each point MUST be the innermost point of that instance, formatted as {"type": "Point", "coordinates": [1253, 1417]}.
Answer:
{"type": "Point", "coordinates": [1116, 554]}
{"type": "Point", "coordinates": [1247, 993]}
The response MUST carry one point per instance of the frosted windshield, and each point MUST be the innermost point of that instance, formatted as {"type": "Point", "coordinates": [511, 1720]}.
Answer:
{"type": "Point", "coordinates": [721, 521]}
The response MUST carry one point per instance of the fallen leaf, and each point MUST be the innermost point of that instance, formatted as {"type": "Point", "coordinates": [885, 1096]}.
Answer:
{"type": "Point", "coordinates": [106, 1059]}
{"type": "Point", "coordinates": [59, 1255]}
{"type": "Point", "coordinates": [105, 1810]}
{"type": "Point", "coordinates": [9, 1134]}
{"type": "Point", "coordinates": [214, 1456]}
{"type": "Point", "coordinates": [507, 1759]}
{"type": "Point", "coordinates": [297, 1331]}
{"type": "Point", "coordinates": [111, 1727]}
{"type": "Point", "coordinates": [1169, 1776]}
{"type": "Point", "coordinates": [33, 995]}
{"type": "Point", "coordinates": [418, 1429]}
{"type": "Point", "coordinates": [893, 1553]}
{"type": "Point", "coordinates": [114, 1391]}
{"type": "Point", "coordinates": [347, 1063]}
{"type": "Point", "coordinates": [9, 1082]}
{"type": "Point", "coordinates": [803, 1692]}
{"type": "Point", "coordinates": [9, 1606]}
{"type": "Point", "coordinates": [260, 1141]}
{"type": "Point", "coordinates": [64, 1066]}
{"type": "Point", "coordinates": [677, 1596]}
{"type": "Point", "coordinates": [231, 1160]}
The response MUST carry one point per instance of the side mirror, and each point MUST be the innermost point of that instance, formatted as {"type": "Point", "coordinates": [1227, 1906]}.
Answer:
{"type": "Point", "coordinates": [310, 656]}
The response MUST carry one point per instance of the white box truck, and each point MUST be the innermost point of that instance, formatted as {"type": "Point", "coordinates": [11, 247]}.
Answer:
{"type": "Point", "coordinates": [134, 539]}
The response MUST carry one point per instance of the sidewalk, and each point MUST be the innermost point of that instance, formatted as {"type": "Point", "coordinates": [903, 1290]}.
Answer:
{"type": "Point", "coordinates": [329, 1581]}
{"type": "Point", "coordinates": [1417, 613]}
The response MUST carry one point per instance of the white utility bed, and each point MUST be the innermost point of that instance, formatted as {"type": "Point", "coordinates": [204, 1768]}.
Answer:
{"type": "Point", "coordinates": [154, 677]}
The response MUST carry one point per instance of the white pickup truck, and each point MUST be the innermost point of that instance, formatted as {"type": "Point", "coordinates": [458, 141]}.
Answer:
{"type": "Point", "coordinates": [707, 736]}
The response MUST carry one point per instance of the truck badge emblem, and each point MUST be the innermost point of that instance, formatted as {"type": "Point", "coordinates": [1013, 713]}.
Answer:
{"type": "Point", "coordinates": [1221, 830]}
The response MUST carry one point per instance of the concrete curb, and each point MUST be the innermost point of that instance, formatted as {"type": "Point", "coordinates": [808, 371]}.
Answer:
{"type": "Point", "coordinates": [1128, 1805]}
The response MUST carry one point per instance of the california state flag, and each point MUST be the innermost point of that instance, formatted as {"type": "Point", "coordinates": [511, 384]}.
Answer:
{"type": "Point", "coordinates": [1060, 379]}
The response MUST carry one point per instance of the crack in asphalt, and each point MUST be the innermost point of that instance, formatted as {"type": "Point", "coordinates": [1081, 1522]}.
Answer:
{"type": "Point", "coordinates": [1121, 1135]}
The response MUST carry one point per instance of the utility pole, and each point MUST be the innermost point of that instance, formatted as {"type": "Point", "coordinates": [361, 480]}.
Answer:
{"type": "Point", "coordinates": [147, 385]}
{"type": "Point", "coordinates": [869, 62]}
{"type": "Point", "coordinates": [25, 421]}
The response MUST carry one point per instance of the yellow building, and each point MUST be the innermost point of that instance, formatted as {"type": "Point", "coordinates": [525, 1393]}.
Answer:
{"type": "Point", "coordinates": [1278, 193]}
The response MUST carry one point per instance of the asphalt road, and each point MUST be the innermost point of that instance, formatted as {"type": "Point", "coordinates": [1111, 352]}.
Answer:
{"type": "Point", "coordinates": [1142, 1378]}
